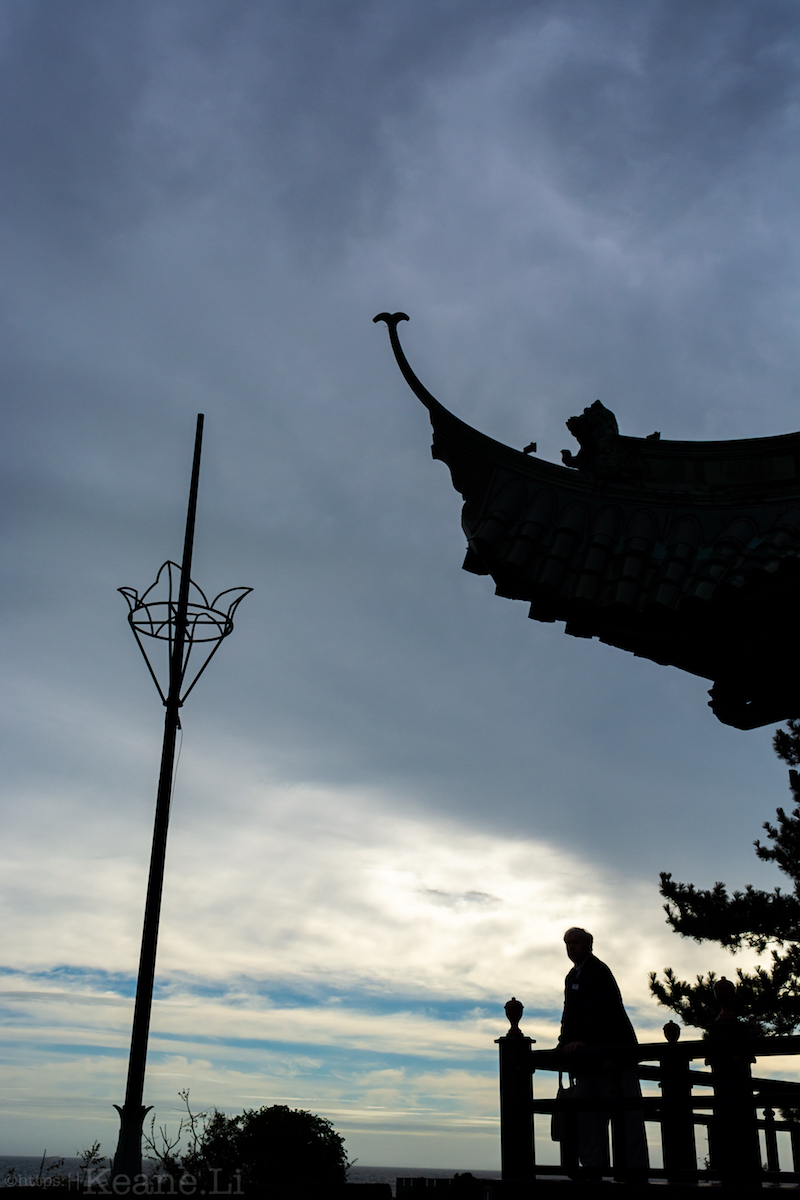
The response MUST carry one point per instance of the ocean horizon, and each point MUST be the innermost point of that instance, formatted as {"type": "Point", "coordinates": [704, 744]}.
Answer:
{"type": "Point", "coordinates": [26, 1167]}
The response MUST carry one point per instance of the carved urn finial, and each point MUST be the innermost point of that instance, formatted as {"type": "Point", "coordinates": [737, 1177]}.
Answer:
{"type": "Point", "coordinates": [514, 1011]}
{"type": "Point", "coordinates": [672, 1032]}
{"type": "Point", "coordinates": [724, 993]}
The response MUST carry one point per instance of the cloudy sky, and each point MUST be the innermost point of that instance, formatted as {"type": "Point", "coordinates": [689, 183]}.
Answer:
{"type": "Point", "coordinates": [395, 791]}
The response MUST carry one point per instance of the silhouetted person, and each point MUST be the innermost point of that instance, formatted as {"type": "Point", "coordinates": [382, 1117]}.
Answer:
{"type": "Point", "coordinates": [594, 1015]}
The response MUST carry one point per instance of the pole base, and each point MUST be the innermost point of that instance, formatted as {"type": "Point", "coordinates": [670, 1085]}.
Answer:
{"type": "Point", "coordinates": [128, 1158]}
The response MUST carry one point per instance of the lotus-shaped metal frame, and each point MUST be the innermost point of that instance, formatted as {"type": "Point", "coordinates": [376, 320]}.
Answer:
{"type": "Point", "coordinates": [154, 614]}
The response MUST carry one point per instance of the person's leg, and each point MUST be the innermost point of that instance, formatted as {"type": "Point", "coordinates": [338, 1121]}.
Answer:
{"type": "Point", "coordinates": [592, 1126]}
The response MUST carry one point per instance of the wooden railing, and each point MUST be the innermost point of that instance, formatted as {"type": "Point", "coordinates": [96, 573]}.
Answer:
{"type": "Point", "coordinates": [737, 1109]}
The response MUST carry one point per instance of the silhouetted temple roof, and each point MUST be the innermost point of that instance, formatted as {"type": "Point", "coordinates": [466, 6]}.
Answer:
{"type": "Point", "coordinates": [686, 553]}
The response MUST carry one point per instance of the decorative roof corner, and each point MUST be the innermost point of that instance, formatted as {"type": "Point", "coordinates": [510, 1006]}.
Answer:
{"type": "Point", "coordinates": [686, 553]}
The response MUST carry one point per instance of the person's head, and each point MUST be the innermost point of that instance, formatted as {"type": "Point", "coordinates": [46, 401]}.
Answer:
{"type": "Point", "coordinates": [579, 944]}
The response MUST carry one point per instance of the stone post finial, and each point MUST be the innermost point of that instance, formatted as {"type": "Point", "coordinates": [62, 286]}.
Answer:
{"type": "Point", "coordinates": [514, 1010]}
{"type": "Point", "coordinates": [724, 993]}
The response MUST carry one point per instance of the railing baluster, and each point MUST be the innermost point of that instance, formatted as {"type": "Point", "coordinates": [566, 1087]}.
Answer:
{"type": "Point", "coordinates": [619, 1153]}
{"type": "Point", "coordinates": [771, 1140]}
{"type": "Point", "coordinates": [794, 1135]}
{"type": "Point", "coordinates": [569, 1141]}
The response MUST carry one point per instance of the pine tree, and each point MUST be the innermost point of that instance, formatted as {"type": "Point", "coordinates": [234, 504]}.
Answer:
{"type": "Point", "coordinates": [769, 997]}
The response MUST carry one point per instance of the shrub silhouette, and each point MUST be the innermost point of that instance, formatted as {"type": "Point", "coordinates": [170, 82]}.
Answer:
{"type": "Point", "coordinates": [275, 1150]}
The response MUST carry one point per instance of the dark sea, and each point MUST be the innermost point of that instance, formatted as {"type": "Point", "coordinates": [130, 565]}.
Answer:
{"type": "Point", "coordinates": [26, 1169]}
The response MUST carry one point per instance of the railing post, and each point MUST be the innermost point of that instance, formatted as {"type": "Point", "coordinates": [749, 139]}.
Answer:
{"type": "Point", "coordinates": [517, 1155]}
{"type": "Point", "coordinates": [771, 1140]}
{"type": "Point", "coordinates": [733, 1135]}
{"type": "Point", "coordinates": [677, 1126]}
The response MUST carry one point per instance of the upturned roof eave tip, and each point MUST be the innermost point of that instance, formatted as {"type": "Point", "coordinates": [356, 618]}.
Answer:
{"type": "Point", "coordinates": [392, 320]}
{"type": "Point", "coordinates": [442, 420]}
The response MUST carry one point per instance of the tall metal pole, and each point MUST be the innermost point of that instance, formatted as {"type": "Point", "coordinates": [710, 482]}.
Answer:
{"type": "Point", "coordinates": [128, 1158]}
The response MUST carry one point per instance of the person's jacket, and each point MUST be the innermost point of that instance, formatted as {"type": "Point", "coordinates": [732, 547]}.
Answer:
{"type": "Point", "coordinates": [593, 1009]}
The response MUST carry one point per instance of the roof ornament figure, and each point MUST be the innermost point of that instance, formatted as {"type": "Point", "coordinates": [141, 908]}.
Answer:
{"type": "Point", "coordinates": [602, 453]}
{"type": "Point", "coordinates": [686, 553]}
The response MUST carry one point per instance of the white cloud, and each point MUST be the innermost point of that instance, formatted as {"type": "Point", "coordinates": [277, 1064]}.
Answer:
{"type": "Point", "coordinates": [399, 938]}
{"type": "Point", "coordinates": [307, 883]}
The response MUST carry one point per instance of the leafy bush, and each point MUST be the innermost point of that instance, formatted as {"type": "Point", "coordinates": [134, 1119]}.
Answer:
{"type": "Point", "coordinates": [276, 1149]}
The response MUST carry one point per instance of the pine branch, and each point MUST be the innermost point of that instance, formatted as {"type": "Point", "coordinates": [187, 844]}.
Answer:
{"type": "Point", "coordinates": [769, 997]}
{"type": "Point", "coordinates": [752, 918]}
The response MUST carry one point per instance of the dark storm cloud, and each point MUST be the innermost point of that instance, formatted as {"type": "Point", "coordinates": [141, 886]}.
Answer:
{"type": "Point", "coordinates": [638, 108]}
{"type": "Point", "coordinates": [70, 75]}
{"type": "Point", "coordinates": [657, 107]}
{"type": "Point", "coordinates": [307, 86]}
{"type": "Point", "coordinates": [205, 204]}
